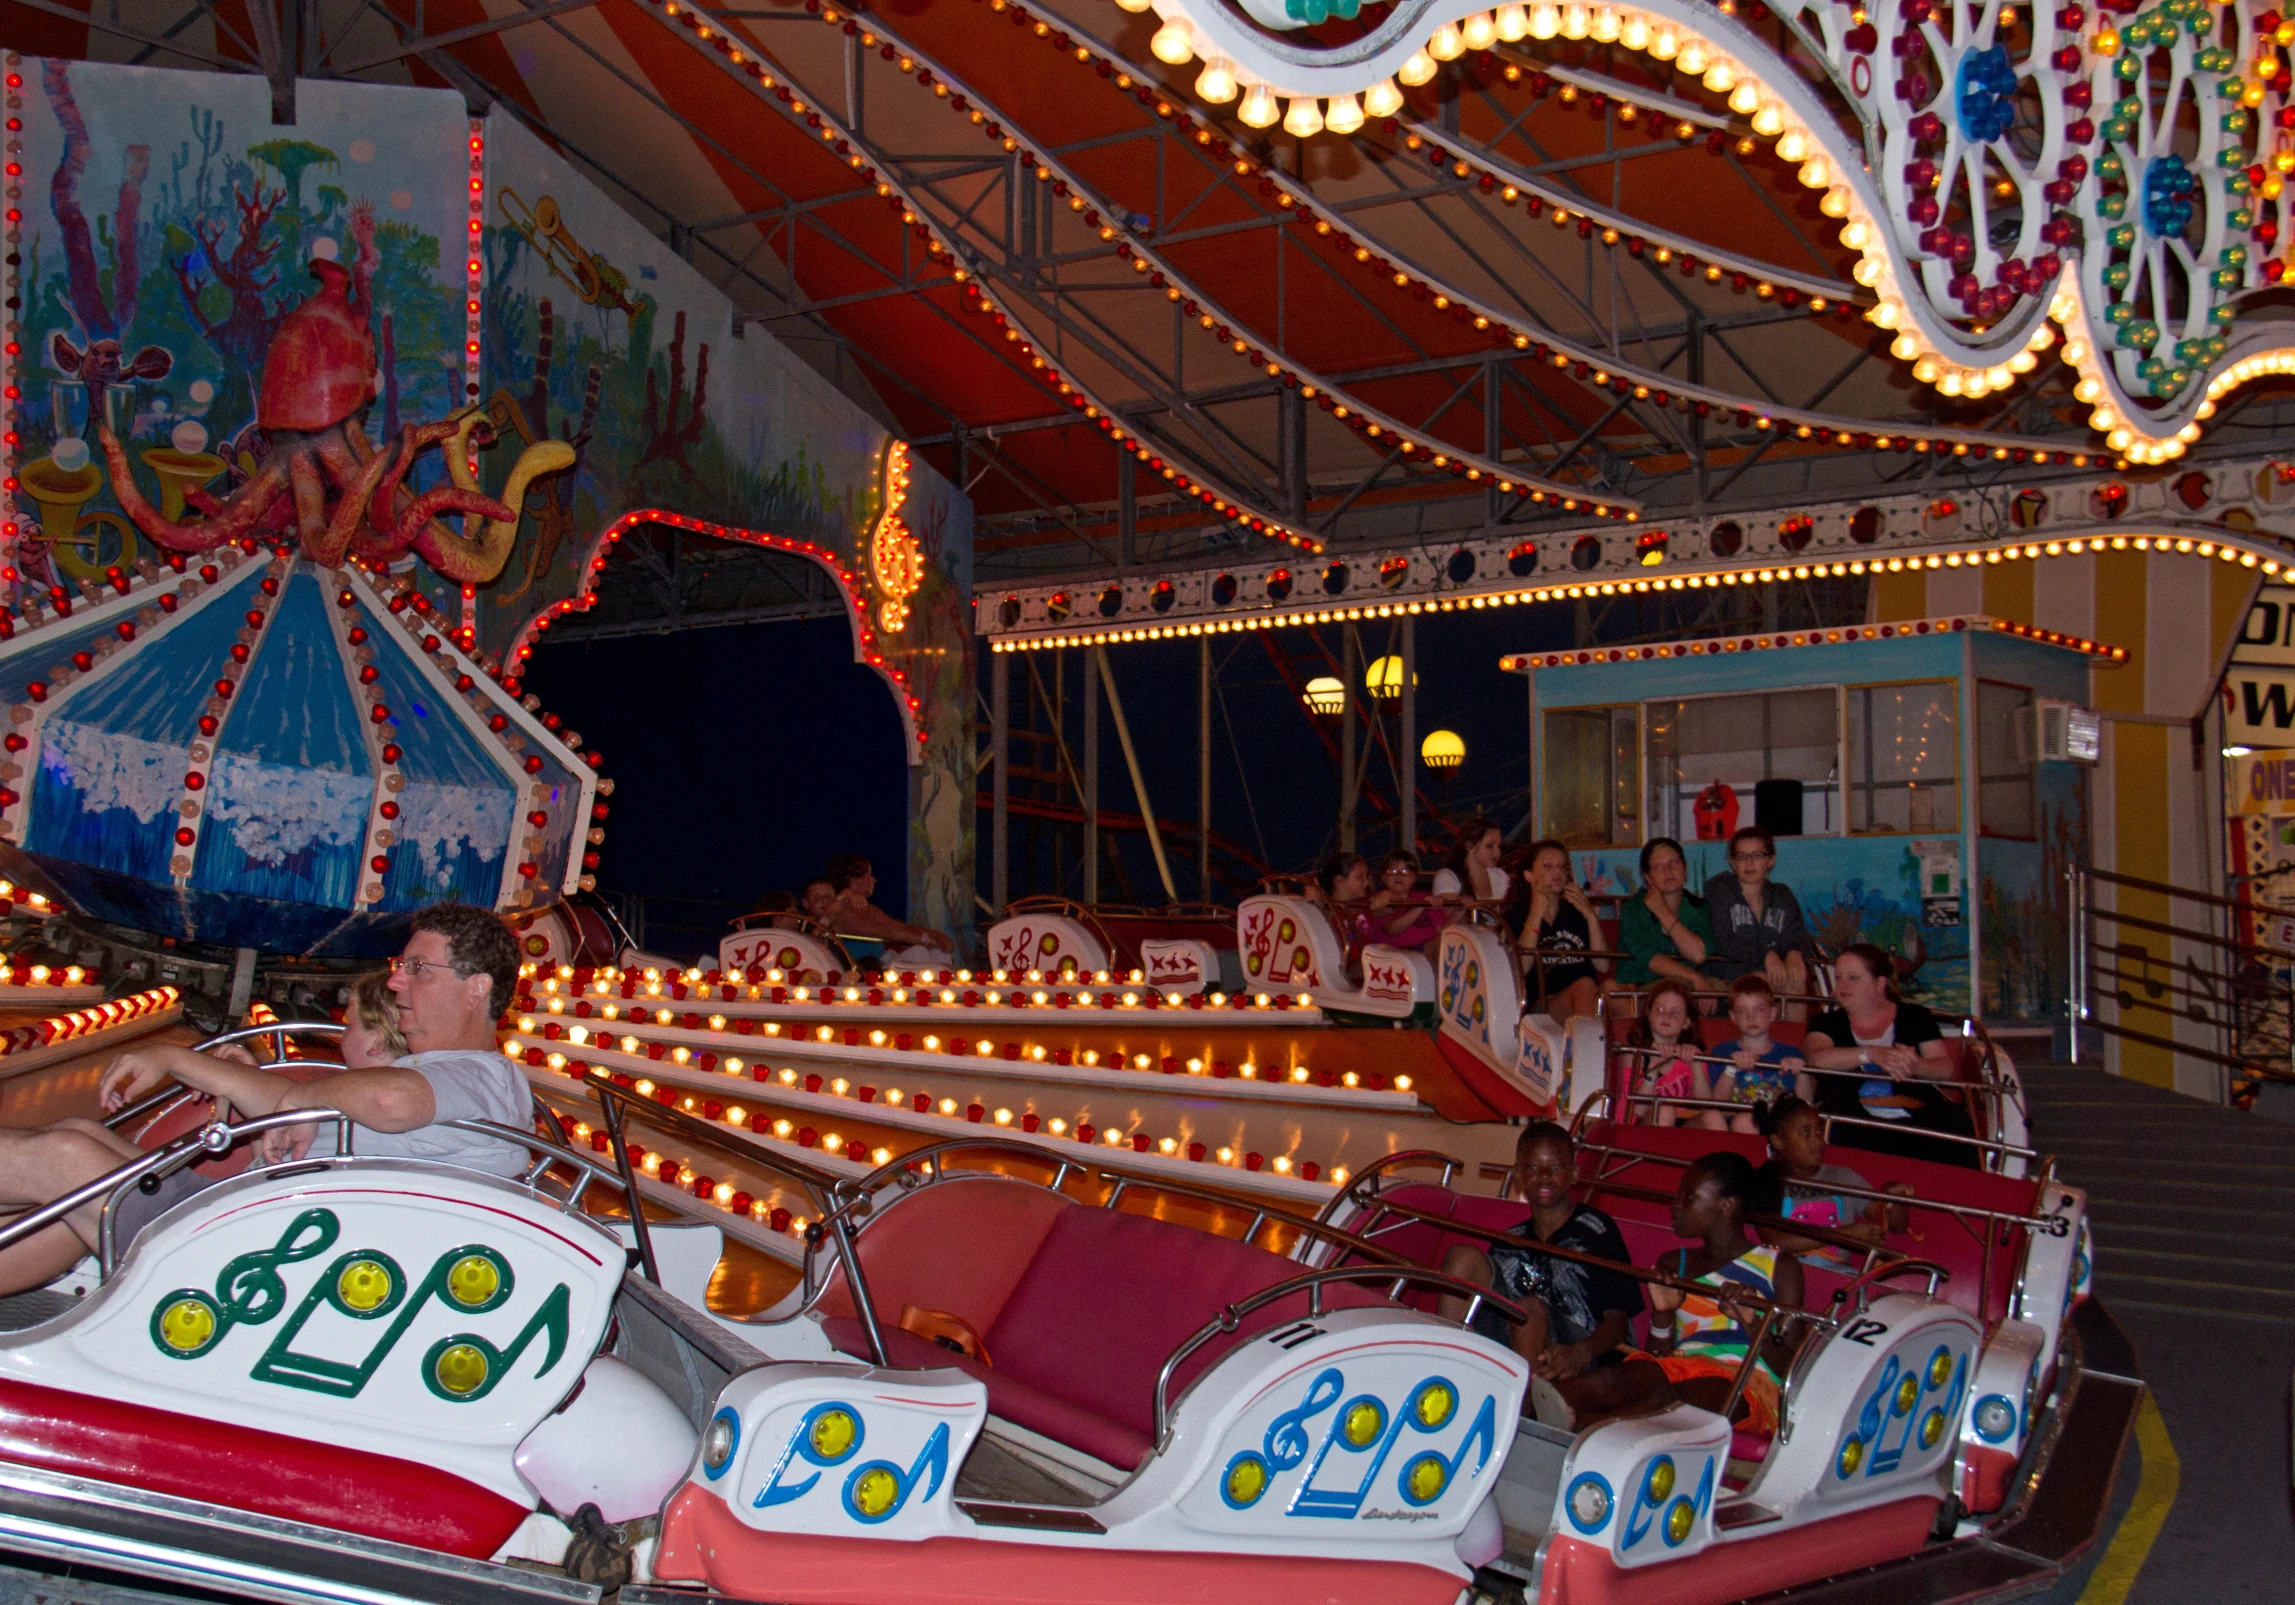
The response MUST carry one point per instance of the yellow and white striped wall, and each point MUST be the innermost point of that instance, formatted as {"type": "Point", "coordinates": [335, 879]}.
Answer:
{"type": "Point", "coordinates": [2156, 795]}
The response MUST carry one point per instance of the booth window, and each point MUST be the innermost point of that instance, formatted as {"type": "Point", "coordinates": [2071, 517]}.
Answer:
{"type": "Point", "coordinates": [2005, 805]}
{"type": "Point", "coordinates": [1771, 758]}
{"type": "Point", "coordinates": [1593, 776]}
{"type": "Point", "coordinates": [1904, 758]}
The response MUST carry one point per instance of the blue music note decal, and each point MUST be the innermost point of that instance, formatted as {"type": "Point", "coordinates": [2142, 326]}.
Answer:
{"type": "Point", "coordinates": [829, 1435]}
{"type": "Point", "coordinates": [1287, 1437]}
{"type": "Point", "coordinates": [877, 1491]}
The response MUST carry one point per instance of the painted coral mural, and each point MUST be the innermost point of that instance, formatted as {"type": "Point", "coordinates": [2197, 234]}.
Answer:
{"type": "Point", "coordinates": [598, 335]}
{"type": "Point", "coordinates": [306, 337]}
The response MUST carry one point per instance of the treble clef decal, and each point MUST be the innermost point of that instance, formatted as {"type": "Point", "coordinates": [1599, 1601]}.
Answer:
{"type": "Point", "coordinates": [187, 1323]}
{"type": "Point", "coordinates": [1287, 1437]}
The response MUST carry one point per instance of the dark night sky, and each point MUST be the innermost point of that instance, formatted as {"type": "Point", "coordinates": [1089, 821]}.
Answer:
{"type": "Point", "coordinates": [742, 757]}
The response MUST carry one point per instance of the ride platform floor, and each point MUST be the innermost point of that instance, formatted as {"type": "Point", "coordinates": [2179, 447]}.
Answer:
{"type": "Point", "coordinates": [2194, 1212]}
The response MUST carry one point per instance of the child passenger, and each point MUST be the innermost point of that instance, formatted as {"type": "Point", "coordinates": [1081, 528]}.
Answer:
{"type": "Point", "coordinates": [1579, 1313]}
{"type": "Point", "coordinates": [1762, 1069]}
{"type": "Point", "coordinates": [1796, 1135]}
{"type": "Point", "coordinates": [1699, 1338]}
{"type": "Point", "coordinates": [1662, 1027]}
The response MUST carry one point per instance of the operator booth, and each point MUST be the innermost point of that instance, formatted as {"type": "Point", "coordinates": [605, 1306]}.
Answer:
{"type": "Point", "coordinates": [1927, 783]}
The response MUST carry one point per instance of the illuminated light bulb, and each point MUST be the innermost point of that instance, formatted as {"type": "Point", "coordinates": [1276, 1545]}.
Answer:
{"type": "Point", "coordinates": [1792, 146]}
{"type": "Point", "coordinates": [1445, 43]}
{"type": "Point", "coordinates": [1976, 384]}
{"type": "Point", "coordinates": [1855, 236]}
{"type": "Point", "coordinates": [1299, 1073]}
{"type": "Point", "coordinates": [1282, 1165]}
{"type": "Point", "coordinates": [948, 1106]}
{"type": "Point", "coordinates": [832, 1142]}
{"type": "Point", "coordinates": [723, 1193]}
{"type": "Point", "coordinates": [1057, 1127]}
{"type": "Point", "coordinates": [1745, 98]}
{"type": "Point", "coordinates": [2022, 362]}
{"type": "Point", "coordinates": [1174, 42]}
{"type": "Point", "coordinates": [1605, 27]}
{"type": "Point", "coordinates": [1217, 84]}
{"type": "Point", "coordinates": [1635, 33]}
{"type": "Point", "coordinates": [1816, 173]}
{"type": "Point", "coordinates": [1091, 1056]}
{"type": "Point", "coordinates": [1665, 44]}
{"type": "Point", "coordinates": [1258, 107]}
{"type": "Point", "coordinates": [651, 1164]}
{"type": "Point", "coordinates": [1350, 1079]}
{"type": "Point", "coordinates": [1577, 22]}
{"type": "Point", "coordinates": [1167, 1146]}
{"type": "Point", "coordinates": [1402, 1083]}
{"type": "Point", "coordinates": [1225, 1156]}
{"type": "Point", "coordinates": [2118, 439]}
{"type": "Point", "coordinates": [1905, 347]}
{"type": "Point", "coordinates": [788, 1077]}
{"type": "Point", "coordinates": [2106, 419]}
{"type": "Point", "coordinates": [1304, 119]}
{"type": "Point", "coordinates": [1512, 21]}
{"type": "Point", "coordinates": [1869, 271]}
{"type": "Point", "coordinates": [2087, 390]}
{"type": "Point", "coordinates": [1478, 32]}
{"type": "Point", "coordinates": [1003, 1117]}
{"type": "Point", "coordinates": [1545, 21]}
{"type": "Point", "coordinates": [1949, 382]}
{"type": "Point", "coordinates": [1721, 77]}
{"type": "Point", "coordinates": [1382, 99]}
{"type": "Point", "coordinates": [1887, 314]}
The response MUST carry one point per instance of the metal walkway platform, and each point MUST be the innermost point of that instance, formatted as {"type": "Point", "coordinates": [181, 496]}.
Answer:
{"type": "Point", "coordinates": [2194, 1210]}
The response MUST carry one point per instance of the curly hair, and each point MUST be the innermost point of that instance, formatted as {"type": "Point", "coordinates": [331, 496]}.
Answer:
{"type": "Point", "coordinates": [477, 943]}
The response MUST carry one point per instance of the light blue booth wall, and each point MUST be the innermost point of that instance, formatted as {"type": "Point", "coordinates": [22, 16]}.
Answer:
{"type": "Point", "coordinates": [1867, 888]}
{"type": "Point", "coordinates": [2019, 887]}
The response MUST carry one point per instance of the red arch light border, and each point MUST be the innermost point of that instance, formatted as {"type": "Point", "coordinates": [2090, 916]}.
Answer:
{"type": "Point", "coordinates": [866, 648]}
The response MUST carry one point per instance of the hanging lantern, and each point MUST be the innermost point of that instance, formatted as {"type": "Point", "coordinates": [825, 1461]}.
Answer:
{"type": "Point", "coordinates": [1442, 749]}
{"type": "Point", "coordinates": [1326, 696]}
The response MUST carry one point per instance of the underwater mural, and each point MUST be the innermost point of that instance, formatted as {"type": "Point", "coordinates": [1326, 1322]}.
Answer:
{"type": "Point", "coordinates": [597, 334]}
{"type": "Point", "coordinates": [393, 334]}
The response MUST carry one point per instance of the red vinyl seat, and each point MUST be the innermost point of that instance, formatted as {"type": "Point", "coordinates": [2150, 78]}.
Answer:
{"type": "Point", "coordinates": [1077, 1307]}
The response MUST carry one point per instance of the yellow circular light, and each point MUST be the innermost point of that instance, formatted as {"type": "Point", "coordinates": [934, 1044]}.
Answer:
{"type": "Point", "coordinates": [1679, 1520]}
{"type": "Point", "coordinates": [187, 1325]}
{"type": "Point", "coordinates": [1435, 1403]}
{"type": "Point", "coordinates": [460, 1370]}
{"type": "Point", "coordinates": [875, 1491]}
{"type": "Point", "coordinates": [363, 1285]}
{"type": "Point", "coordinates": [1365, 1421]}
{"type": "Point", "coordinates": [1246, 1480]}
{"type": "Point", "coordinates": [1660, 1481]}
{"type": "Point", "coordinates": [834, 1434]}
{"type": "Point", "coordinates": [1908, 1394]}
{"type": "Point", "coordinates": [1940, 1368]}
{"type": "Point", "coordinates": [1426, 1479]}
{"type": "Point", "coordinates": [1852, 1456]}
{"type": "Point", "coordinates": [1931, 1428]}
{"type": "Point", "coordinates": [473, 1280]}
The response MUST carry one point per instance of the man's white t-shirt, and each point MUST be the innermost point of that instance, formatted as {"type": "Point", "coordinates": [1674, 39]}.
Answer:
{"type": "Point", "coordinates": [467, 1084]}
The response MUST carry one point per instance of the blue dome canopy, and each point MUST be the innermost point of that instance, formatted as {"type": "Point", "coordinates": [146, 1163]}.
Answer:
{"type": "Point", "coordinates": [253, 751]}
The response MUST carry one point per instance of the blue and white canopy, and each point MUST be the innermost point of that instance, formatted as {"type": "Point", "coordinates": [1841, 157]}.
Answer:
{"type": "Point", "coordinates": [257, 752]}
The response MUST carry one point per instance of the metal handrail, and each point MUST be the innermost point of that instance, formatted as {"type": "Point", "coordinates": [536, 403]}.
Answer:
{"type": "Point", "coordinates": [1379, 1166]}
{"type": "Point", "coordinates": [1994, 1144]}
{"type": "Point", "coordinates": [2046, 1225]}
{"type": "Point", "coordinates": [1784, 1225]}
{"type": "Point", "coordinates": [1230, 1318]}
{"type": "Point", "coordinates": [1804, 1068]}
{"type": "Point", "coordinates": [1863, 1283]}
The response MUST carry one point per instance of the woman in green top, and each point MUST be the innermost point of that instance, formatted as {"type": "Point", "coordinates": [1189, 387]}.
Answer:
{"type": "Point", "coordinates": [1664, 929]}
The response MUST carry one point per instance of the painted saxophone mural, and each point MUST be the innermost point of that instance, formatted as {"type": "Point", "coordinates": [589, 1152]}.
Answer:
{"type": "Point", "coordinates": [2105, 181]}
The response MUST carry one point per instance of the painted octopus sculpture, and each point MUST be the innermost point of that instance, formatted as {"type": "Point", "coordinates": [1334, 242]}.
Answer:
{"type": "Point", "coordinates": [321, 478]}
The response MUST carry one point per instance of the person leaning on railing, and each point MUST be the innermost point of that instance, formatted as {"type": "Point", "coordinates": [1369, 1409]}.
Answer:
{"type": "Point", "coordinates": [450, 985]}
{"type": "Point", "coordinates": [1874, 1027]}
{"type": "Point", "coordinates": [855, 882]}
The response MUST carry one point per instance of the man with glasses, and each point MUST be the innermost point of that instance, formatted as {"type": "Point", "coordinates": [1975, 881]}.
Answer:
{"type": "Point", "coordinates": [1757, 924]}
{"type": "Point", "coordinates": [452, 982]}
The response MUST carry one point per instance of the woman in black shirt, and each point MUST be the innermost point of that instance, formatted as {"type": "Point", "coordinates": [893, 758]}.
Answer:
{"type": "Point", "coordinates": [1557, 930]}
{"type": "Point", "coordinates": [1874, 1028]}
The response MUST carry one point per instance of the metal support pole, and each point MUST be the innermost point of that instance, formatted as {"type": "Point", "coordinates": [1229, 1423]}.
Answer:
{"type": "Point", "coordinates": [610, 1108]}
{"type": "Point", "coordinates": [2076, 962]}
{"type": "Point", "coordinates": [1349, 652]}
{"type": "Point", "coordinates": [1406, 759]}
{"type": "Point", "coordinates": [1000, 744]}
{"type": "Point", "coordinates": [1493, 437]}
{"type": "Point", "coordinates": [1091, 786]}
{"type": "Point", "coordinates": [1139, 777]}
{"type": "Point", "coordinates": [1203, 764]}
{"type": "Point", "coordinates": [1291, 451]}
{"type": "Point", "coordinates": [959, 459]}
{"type": "Point", "coordinates": [1127, 510]}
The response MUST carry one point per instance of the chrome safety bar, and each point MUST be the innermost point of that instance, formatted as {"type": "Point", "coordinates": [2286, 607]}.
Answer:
{"type": "Point", "coordinates": [1860, 1072]}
